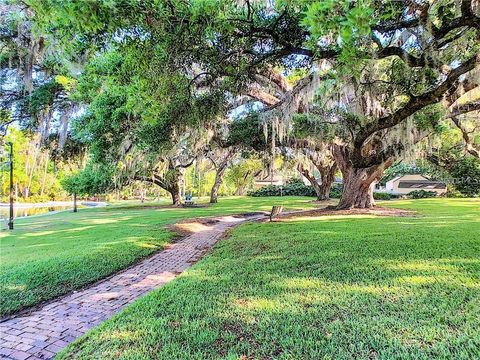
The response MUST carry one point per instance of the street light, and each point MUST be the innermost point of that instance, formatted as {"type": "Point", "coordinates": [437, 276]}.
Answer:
{"type": "Point", "coordinates": [10, 222]}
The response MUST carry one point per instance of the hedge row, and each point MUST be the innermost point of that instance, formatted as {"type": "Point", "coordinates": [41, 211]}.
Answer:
{"type": "Point", "coordinates": [296, 187]}
{"type": "Point", "coordinates": [293, 188]}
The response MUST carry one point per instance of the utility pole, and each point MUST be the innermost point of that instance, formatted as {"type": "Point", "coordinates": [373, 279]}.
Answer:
{"type": "Point", "coordinates": [10, 222]}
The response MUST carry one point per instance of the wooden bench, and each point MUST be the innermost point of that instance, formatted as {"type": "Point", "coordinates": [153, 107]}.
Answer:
{"type": "Point", "coordinates": [276, 210]}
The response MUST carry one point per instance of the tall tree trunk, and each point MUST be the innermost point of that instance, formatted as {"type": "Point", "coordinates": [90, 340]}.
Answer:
{"type": "Point", "coordinates": [45, 172]}
{"type": "Point", "coordinates": [357, 190]}
{"type": "Point", "coordinates": [357, 182]}
{"type": "Point", "coordinates": [218, 181]}
{"type": "Point", "coordinates": [327, 173]}
{"type": "Point", "coordinates": [175, 194]}
{"type": "Point", "coordinates": [173, 186]}
{"type": "Point", "coordinates": [220, 159]}
{"type": "Point", "coordinates": [309, 176]}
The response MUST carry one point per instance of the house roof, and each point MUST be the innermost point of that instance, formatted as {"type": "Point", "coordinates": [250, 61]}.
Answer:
{"type": "Point", "coordinates": [398, 178]}
{"type": "Point", "coordinates": [421, 184]}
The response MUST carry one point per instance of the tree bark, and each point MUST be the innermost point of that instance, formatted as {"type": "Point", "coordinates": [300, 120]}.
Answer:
{"type": "Point", "coordinates": [327, 174]}
{"type": "Point", "coordinates": [218, 182]}
{"type": "Point", "coordinates": [175, 193]}
{"type": "Point", "coordinates": [311, 179]}
{"type": "Point", "coordinates": [220, 166]}
{"type": "Point", "coordinates": [357, 190]}
{"type": "Point", "coordinates": [172, 181]}
{"type": "Point", "coordinates": [357, 181]}
{"type": "Point", "coordinates": [327, 177]}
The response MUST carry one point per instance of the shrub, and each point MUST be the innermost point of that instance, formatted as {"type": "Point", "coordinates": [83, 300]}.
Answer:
{"type": "Point", "coordinates": [293, 187]}
{"type": "Point", "coordinates": [466, 176]}
{"type": "Point", "coordinates": [452, 192]}
{"type": "Point", "coordinates": [285, 190]}
{"type": "Point", "coordinates": [421, 194]}
{"type": "Point", "coordinates": [381, 196]}
{"type": "Point", "coordinates": [336, 191]}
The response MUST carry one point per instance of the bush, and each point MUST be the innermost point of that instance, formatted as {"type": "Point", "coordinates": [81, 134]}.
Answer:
{"type": "Point", "coordinates": [293, 187]}
{"type": "Point", "coordinates": [336, 191]}
{"type": "Point", "coordinates": [285, 190]}
{"type": "Point", "coordinates": [466, 176]}
{"type": "Point", "coordinates": [381, 196]}
{"type": "Point", "coordinates": [421, 194]}
{"type": "Point", "coordinates": [452, 192]}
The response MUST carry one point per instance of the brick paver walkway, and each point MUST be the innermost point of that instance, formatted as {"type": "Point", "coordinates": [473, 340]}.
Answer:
{"type": "Point", "coordinates": [46, 331]}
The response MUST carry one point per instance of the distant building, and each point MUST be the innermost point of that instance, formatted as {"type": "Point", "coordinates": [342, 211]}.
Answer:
{"type": "Point", "coordinates": [262, 181]}
{"type": "Point", "coordinates": [402, 185]}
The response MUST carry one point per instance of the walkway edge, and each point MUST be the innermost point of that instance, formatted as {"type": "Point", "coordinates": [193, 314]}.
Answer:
{"type": "Point", "coordinates": [46, 331]}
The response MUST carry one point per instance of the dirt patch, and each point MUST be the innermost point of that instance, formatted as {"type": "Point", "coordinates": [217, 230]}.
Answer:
{"type": "Point", "coordinates": [377, 210]}
{"type": "Point", "coordinates": [189, 226]}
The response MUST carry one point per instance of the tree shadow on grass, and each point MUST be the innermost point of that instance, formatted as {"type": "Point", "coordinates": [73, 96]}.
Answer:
{"type": "Point", "coordinates": [352, 288]}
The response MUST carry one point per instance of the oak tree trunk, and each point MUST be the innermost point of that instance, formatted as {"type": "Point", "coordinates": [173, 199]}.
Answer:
{"type": "Point", "coordinates": [176, 197]}
{"type": "Point", "coordinates": [218, 182]}
{"type": "Point", "coordinates": [357, 181]}
{"type": "Point", "coordinates": [327, 173]}
{"type": "Point", "coordinates": [173, 186]}
{"type": "Point", "coordinates": [311, 179]}
{"type": "Point", "coordinates": [357, 190]}
{"type": "Point", "coordinates": [328, 177]}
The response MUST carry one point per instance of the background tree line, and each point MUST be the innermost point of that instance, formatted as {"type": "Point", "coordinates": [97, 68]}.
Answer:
{"type": "Point", "coordinates": [147, 89]}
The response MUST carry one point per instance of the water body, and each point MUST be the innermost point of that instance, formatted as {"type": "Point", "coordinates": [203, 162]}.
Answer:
{"type": "Point", "coordinates": [23, 210]}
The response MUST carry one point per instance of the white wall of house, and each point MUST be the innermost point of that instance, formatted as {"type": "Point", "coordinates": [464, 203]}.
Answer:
{"type": "Point", "coordinates": [394, 187]}
{"type": "Point", "coordinates": [277, 180]}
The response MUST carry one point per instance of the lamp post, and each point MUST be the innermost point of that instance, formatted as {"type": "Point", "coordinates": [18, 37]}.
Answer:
{"type": "Point", "coordinates": [10, 222]}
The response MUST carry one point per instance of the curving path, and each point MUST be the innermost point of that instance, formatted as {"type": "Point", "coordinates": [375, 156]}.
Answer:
{"type": "Point", "coordinates": [44, 332]}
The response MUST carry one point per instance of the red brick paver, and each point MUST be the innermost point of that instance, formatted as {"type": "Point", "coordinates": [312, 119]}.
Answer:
{"type": "Point", "coordinates": [46, 331]}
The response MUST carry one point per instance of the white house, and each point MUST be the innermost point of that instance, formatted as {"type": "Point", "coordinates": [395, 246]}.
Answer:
{"type": "Point", "coordinates": [261, 181]}
{"type": "Point", "coordinates": [402, 185]}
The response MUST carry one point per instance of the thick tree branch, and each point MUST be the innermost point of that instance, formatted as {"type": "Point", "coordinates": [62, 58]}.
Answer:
{"type": "Point", "coordinates": [469, 144]}
{"type": "Point", "coordinates": [416, 103]}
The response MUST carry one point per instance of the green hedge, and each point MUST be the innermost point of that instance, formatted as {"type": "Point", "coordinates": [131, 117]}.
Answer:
{"type": "Point", "coordinates": [421, 194]}
{"type": "Point", "coordinates": [294, 187]}
{"type": "Point", "coordinates": [381, 196]}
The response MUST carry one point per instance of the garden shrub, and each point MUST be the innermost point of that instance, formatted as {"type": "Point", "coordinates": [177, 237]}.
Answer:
{"type": "Point", "coordinates": [466, 176]}
{"type": "Point", "coordinates": [336, 191]}
{"type": "Point", "coordinates": [293, 187]}
{"type": "Point", "coordinates": [381, 196]}
{"type": "Point", "coordinates": [452, 192]}
{"type": "Point", "coordinates": [421, 194]}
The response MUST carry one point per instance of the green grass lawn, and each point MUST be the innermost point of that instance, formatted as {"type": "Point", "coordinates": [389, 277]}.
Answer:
{"type": "Point", "coordinates": [313, 288]}
{"type": "Point", "coordinates": [48, 256]}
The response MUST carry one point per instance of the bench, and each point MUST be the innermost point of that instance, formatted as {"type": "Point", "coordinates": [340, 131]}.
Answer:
{"type": "Point", "coordinates": [189, 200]}
{"type": "Point", "coordinates": [276, 210]}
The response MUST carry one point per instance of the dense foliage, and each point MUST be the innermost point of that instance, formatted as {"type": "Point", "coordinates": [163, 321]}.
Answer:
{"type": "Point", "coordinates": [149, 82]}
{"type": "Point", "coordinates": [295, 187]}
{"type": "Point", "coordinates": [38, 172]}
{"type": "Point", "coordinates": [466, 176]}
{"type": "Point", "coordinates": [421, 194]}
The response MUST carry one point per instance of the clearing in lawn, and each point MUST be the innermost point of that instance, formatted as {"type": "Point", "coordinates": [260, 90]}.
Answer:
{"type": "Point", "coordinates": [334, 286]}
{"type": "Point", "coordinates": [48, 256]}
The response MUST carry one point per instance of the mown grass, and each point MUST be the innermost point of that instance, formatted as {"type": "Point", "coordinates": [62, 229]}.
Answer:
{"type": "Point", "coordinates": [48, 256]}
{"type": "Point", "coordinates": [316, 288]}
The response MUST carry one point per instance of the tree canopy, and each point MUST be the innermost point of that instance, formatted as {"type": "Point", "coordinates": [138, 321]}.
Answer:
{"type": "Point", "coordinates": [360, 82]}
